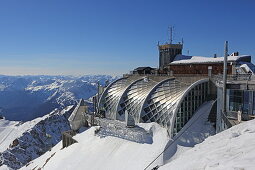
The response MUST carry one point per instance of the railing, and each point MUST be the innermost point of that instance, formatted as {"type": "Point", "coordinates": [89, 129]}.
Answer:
{"type": "Point", "coordinates": [235, 77]}
{"type": "Point", "coordinates": [67, 138]}
{"type": "Point", "coordinates": [239, 78]}
{"type": "Point", "coordinates": [227, 121]}
{"type": "Point", "coordinates": [213, 113]}
{"type": "Point", "coordinates": [232, 115]}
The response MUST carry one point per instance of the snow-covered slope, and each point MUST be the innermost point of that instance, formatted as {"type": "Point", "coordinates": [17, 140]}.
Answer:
{"type": "Point", "coordinates": [10, 130]}
{"type": "Point", "coordinates": [23, 142]}
{"type": "Point", "coordinates": [28, 97]}
{"type": "Point", "coordinates": [232, 149]}
{"type": "Point", "coordinates": [93, 152]}
{"type": "Point", "coordinates": [195, 131]}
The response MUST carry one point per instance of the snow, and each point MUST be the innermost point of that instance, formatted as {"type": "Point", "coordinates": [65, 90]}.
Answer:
{"type": "Point", "coordinates": [200, 59]}
{"type": "Point", "coordinates": [182, 57]}
{"type": "Point", "coordinates": [230, 149]}
{"type": "Point", "coordinates": [195, 131]}
{"type": "Point", "coordinates": [24, 98]}
{"type": "Point", "coordinates": [93, 152]}
{"type": "Point", "coordinates": [247, 68]}
{"type": "Point", "coordinates": [23, 142]}
{"type": "Point", "coordinates": [10, 130]}
{"type": "Point", "coordinates": [4, 167]}
{"type": "Point", "coordinates": [2, 87]}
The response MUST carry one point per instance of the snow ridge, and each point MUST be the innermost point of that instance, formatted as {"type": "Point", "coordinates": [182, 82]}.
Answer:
{"type": "Point", "coordinates": [36, 140]}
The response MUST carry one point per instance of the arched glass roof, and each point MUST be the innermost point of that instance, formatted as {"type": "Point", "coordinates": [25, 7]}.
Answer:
{"type": "Point", "coordinates": [161, 103]}
{"type": "Point", "coordinates": [133, 99]}
{"type": "Point", "coordinates": [111, 96]}
{"type": "Point", "coordinates": [167, 101]}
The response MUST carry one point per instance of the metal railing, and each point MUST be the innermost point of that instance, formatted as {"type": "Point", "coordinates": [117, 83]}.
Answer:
{"type": "Point", "coordinates": [227, 121]}
{"type": "Point", "coordinates": [232, 115]}
{"type": "Point", "coordinates": [235, 77]}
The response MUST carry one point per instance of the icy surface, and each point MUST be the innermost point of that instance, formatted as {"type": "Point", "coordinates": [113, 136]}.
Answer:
{"type": "Point", "coordinates": [230, 149]}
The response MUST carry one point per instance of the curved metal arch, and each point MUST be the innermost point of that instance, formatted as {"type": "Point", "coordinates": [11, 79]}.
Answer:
{"type": "Point", "coordinates": [150, 92]}
{"type": "Point", "coordinates": [106, 90]}
{"type": "Point", "coordinates": [181, 100]}
{"type": "Point", "coordinates": [124, 93]}
{"type": "Point", "coordinates": [114, 99]}
{"type": "Point", "coordinates": [147, 85]}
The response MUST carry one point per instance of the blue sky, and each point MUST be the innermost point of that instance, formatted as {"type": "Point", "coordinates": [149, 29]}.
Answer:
{"type": "Point", "coordinates": [76, 37]}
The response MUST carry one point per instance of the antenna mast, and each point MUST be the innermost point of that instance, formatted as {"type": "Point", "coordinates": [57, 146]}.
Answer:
{"type": "Point", "coordinates": [171, 33]}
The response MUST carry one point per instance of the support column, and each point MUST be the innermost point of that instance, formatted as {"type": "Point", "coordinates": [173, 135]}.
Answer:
{"type": "Point", "coordinates": [225, 71]}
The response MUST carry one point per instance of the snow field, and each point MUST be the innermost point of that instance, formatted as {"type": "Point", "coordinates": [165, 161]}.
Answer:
{"type": "Point", "coordinates": [93, 152]}
{"type": "Point", "coordinates": [232, 149]}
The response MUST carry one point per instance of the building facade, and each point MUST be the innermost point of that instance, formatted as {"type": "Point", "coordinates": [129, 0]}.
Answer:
{"type": "Point", "coordinates": [168, 101]}
{"type": "Point", "coordinates": [167, 53]}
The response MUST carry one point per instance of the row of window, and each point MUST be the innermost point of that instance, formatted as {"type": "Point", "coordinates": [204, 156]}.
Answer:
{"type": "Point", "coordinates": [190, 104]}
{"type": "Point", "coordinates": [241, 100]}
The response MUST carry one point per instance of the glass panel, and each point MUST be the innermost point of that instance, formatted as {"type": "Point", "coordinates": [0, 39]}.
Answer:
{"type": "Point", "coordinates": [246, 103]}
{"type": "Point", "coordinates": [236, 100]}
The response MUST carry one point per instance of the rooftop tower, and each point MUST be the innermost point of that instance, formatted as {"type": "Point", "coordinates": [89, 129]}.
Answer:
{"type": "Point", "coordinates": [168, 51]}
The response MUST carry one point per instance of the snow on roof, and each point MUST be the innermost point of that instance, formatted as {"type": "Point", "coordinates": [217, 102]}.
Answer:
{"type": "Point", "coordinates": [200, 59]}
{"type": "Point", "coordinates": [247, 68]}
{"type": "Point", "coordinates": [182, 57]}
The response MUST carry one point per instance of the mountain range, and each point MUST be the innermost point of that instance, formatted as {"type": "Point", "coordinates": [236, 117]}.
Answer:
{"type": "Point", "coordinates": [23, 98]}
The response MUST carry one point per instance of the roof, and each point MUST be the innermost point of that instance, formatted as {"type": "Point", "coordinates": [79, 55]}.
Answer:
{"type": "Point", "coordinates": [143, 68]}
{"type": "Point", "coordinates": [153, 100]}
{"type": "Point", "coordinates": [203, 60]}
{"type": "Point", "coordinates": [167, 46]}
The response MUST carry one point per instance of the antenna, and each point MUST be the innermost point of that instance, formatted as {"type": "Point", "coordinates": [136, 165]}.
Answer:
{"type": "Point", "coordinates": [171, 28]}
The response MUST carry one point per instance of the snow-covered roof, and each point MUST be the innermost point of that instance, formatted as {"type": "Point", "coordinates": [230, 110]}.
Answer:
{"type": "Point", "coordinates": [200, 59]}
{"type": "Point", "coordinates": [249, 68]}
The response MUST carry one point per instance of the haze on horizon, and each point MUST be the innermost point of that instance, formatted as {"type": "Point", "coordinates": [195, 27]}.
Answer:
{"type": "Point", "coordinates": [63, 37]}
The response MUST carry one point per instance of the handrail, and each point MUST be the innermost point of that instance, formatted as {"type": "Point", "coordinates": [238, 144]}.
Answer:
{"type": "Point", "coordinates": [235, 77]}
{"type": "Point", "coordinates": [226, 120]}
